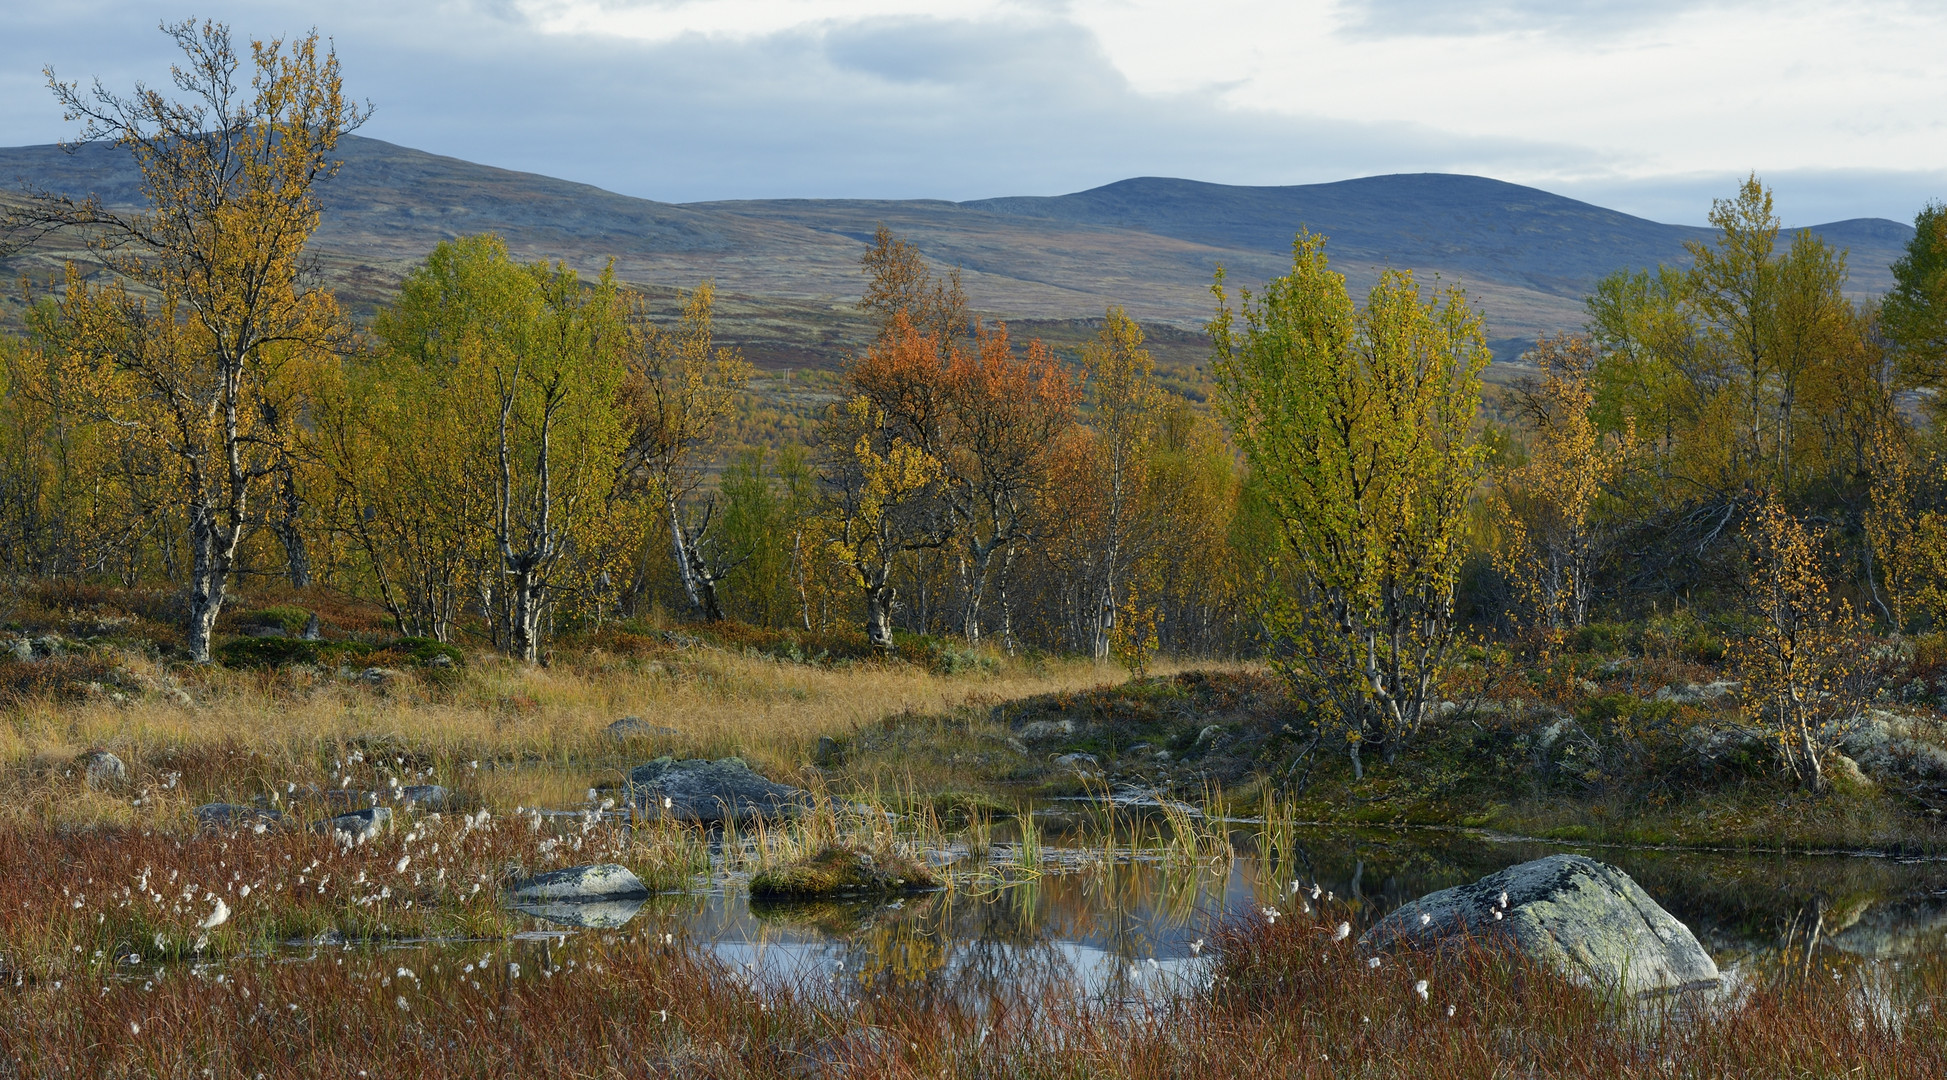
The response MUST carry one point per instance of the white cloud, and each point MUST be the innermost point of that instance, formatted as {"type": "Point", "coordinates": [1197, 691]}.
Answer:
{"type": "Point", "coordinates": [1643, 105]}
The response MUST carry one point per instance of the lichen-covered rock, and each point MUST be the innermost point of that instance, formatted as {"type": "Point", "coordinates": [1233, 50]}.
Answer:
{"type": "Point", "coordinates": [600, 881]}
{"type": "Point", "coordinates": [101, 770]}
{"type": "Point", "coordinates": [1586, 919]}
{"type": "Point", "coordinates": [234, 816]}
{"type": "Point", "coordinates": [711, 791]}
{"type": "Point", "coordinates": [843, 871]}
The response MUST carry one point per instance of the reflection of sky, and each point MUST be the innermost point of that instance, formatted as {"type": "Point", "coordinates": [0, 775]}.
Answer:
{"type": "Point", "coordinates": [1126, 931]}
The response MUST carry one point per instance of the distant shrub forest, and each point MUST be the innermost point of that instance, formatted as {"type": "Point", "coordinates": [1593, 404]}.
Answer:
{"type": "Point", "coordinates": [511, 453]}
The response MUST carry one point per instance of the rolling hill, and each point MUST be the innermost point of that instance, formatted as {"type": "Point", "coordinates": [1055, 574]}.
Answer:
{"type": "Point", "coordinates": [788, 268]}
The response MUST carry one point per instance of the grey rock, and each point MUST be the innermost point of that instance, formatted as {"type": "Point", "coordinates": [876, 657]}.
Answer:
{"type": "Point", "coordinates": [695, 789]}
{"type": "Point", "coordinates": [20, 650]}
{"type": "Point", "coordinates": [1047, 730]}
{"type": "Point", "coordinates": [1586, 919]}
{"type": "Point", "coordinates": [426, 796]}
{"type": "Point", "coordinates": [1209, 734]}
{"type": "Point", "coordinates": [48, 646]}
{"type": "Point", "coordinates": [180, 696]}
{"type": "Point", "coordinates": [830, 752]}
{"type": "Point", "coordinates": [1714, 742]}
{"type": "Point", "coordinates": [1697, 693]}
{"type": "Point", "coordinates": [1078, 761]}
{"type": "Point", "coordinates": [359, 824]}
{"type": "Point", "coordinates": [234, 816]}
{"type": "Point", "coordinates": [635, 727]}
{"type": "Point", "coordinates": [101, 770]}
{"type": "Point", "coordinates": [380, 676]}
{"type": "Point", "coordinates": [600, 881]}
{"type": "Point", "coordinates": [313, 631]}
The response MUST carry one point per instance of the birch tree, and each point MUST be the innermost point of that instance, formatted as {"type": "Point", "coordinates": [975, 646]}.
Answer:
{"type": "Point", "coordinates": [208, 276]}
{"type": "Point", "coordinates": [1358, 425]}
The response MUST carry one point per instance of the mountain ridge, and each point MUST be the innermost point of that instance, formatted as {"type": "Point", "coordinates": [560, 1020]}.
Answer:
{"type": "Point", "coordinates": [1149, 244]}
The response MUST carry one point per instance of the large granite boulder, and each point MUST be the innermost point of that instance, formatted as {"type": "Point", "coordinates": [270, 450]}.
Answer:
{"type": "Point", "coordinates": [711, 791]}
{"type": "Point", "coordinates": [580, 884]}
{"type": "Point", "coordinates": [1586, 919]}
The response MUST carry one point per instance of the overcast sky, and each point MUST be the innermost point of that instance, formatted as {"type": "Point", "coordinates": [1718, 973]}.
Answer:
{"type": "Point", "coordinates": [1649, 106]}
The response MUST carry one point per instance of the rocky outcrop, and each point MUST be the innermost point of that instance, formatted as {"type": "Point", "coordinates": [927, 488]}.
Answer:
{"type": "Point", "coordinates": [580, 884]}
{"type": "Point", "coordinates": [1586, 919]}
{"type": "Point", "coordinates": [711, 791]}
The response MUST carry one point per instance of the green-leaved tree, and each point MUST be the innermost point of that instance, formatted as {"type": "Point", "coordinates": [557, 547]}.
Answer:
{"type": "Point", "coordinates": [1358, 425]}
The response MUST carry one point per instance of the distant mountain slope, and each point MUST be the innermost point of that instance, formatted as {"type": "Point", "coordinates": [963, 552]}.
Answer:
{"type": "Point", "coordinates": [791, 265]}
{"type": "Point", "coordinates": [1467, 225]}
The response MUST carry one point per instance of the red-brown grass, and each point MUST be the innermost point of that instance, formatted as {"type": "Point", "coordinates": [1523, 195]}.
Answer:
{"type": "Point", "coordinates": [1289, 999]}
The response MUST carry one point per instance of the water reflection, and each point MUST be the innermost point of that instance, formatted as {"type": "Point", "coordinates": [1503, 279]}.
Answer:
{"type": "Point", "coordinates": [1131, 929]}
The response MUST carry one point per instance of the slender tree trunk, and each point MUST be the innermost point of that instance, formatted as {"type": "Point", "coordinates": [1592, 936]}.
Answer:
{"type": "Point", "coordinates": [209, 575]}
{"type": "Point", "coordinates": [290, 507]}
{"type": "Point", "coordinates": [878, 614]}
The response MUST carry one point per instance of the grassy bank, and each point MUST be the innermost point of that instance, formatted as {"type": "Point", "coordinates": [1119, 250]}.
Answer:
{"type": "Point", "coordinates": [1290, 997]}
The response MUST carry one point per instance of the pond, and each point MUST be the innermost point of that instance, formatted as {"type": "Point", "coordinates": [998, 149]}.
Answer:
{"type": "Point", "coordinates": [1130, 924]}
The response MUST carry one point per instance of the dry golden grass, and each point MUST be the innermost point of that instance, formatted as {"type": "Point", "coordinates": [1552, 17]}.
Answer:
{"type": "Point", "coordinates": [539, 734]}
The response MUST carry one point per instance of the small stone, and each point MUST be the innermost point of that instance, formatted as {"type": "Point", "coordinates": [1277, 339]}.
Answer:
{"type": "Point", "coordinates": [101, 770]}
{"type": "Point", "coordinates": [1047, 730]}
{"type": "Point", "coordinates": [425, 796]}
{"type": "Point", "coordinates": [359, 824]}
{"type": "Point", "coordinates": [1079, 762]}
{"type": "Point", "coordinates": [635, 727]}
{"type": "Point", "coordinates": [233, 816]}
{"type": "Point", "coordinates": [21, 651]}
{"type": "Point", "coordinates": [380, 676]}
{"type": "Point", "coordinates": [830, 752]}
{"type": "Point", "coordinates": [600, 881]}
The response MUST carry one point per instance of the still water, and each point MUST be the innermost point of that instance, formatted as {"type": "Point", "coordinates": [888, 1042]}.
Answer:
{"type": "Point", "coordinates": [1133, 927]}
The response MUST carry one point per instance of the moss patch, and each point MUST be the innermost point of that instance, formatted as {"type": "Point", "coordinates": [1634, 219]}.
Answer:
{"type": "Point", "coordinates": [843, 871]}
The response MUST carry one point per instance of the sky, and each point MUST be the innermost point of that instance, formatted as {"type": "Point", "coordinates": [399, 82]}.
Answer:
{"type": "Point", "coordinates": [1653, 107]}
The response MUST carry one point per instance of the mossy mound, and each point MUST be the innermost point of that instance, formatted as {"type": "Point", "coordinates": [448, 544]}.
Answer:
{"type": "Point", "coordinates": [843, 871]}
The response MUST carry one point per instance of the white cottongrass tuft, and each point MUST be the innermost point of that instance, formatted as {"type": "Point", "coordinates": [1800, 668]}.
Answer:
{"type": "Point", "coordinates": [1344, 931]}
{"type": "Point", "coordinates": [1504, 899]}
{"type": "Point", "coordinates": [400, 866]}
{"type": "Point", "coordinates": [134, 1028]}
{"type": "Point", "coordinates": [1420, 989]}
{"type": "Point", "coordinates": [1425, 919]}
{"type": "Point", "coordinates": [401, 1002]}
{"type": "Point", "coordinates": [1372, 961]}
{"type": "Point", "coordinates": [1271, 914]}
{"type": "Point", "coordinates": [1196, 947]}
{"type": "Point", "coordinates": [218, 916]}
{"type": "Point", "coordinates": [1450, 1010]}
